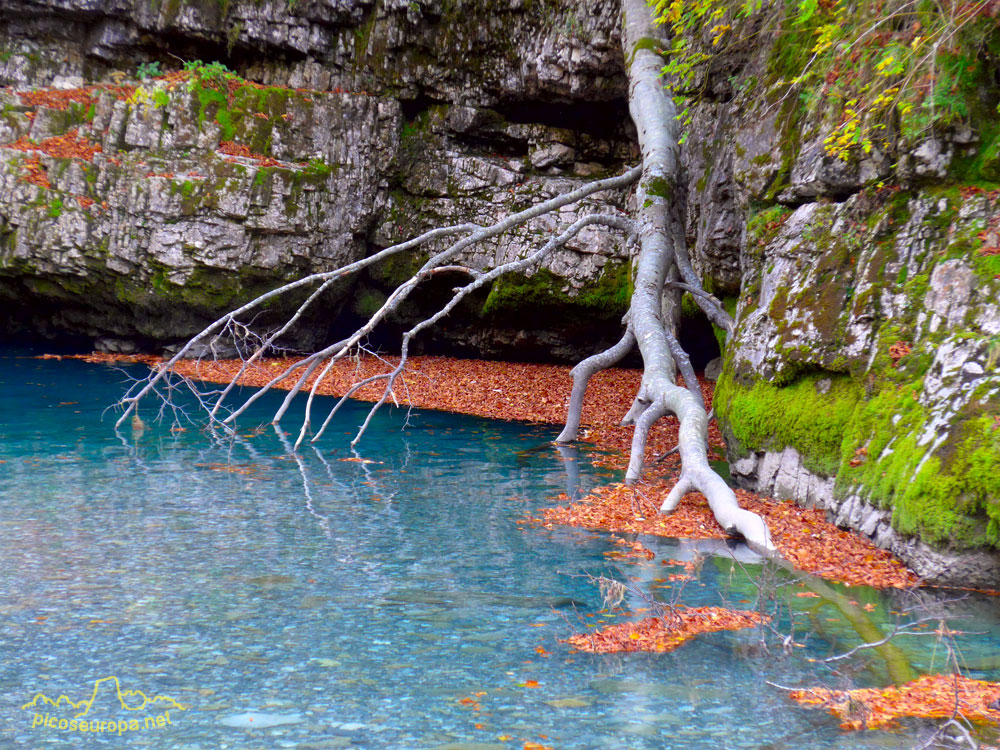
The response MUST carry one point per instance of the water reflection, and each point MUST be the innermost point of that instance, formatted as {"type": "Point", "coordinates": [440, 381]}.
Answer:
{"type": "Point", "coordinates": [370, 598]}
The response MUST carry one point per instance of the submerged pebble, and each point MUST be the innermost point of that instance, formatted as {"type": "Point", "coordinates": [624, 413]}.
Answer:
{"type": "Point", "coordinates": [259, 720]}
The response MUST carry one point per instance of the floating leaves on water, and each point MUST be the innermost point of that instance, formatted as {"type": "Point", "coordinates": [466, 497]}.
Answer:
{"type": "Point", "coordinates": [539, 393]}
{"type": "Point", "coordinates": [938, 696]}
{"type": "Point", "coordinates": [667, 633]}
{"type": "Point", "coordinates": [804, 537]}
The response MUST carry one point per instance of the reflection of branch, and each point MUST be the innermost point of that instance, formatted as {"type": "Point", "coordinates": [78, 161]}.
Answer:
{"type": "Point", "coordinates": [324, 521]}
{"type": "Point", "coordinates": [571, 462]}
{"type": "Point", "coordinates": [897, 630]}
{"type": "Point", "coordinates": [952, 723]}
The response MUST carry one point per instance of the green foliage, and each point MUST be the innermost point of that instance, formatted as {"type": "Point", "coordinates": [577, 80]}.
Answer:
{"type": "Point", "coordinates": [692, 24]}
{"type": "Point", "coordinates": [209, 71]}
{"type": "Point", "coordinates": [209, 82]}
{"type": "Point", "coordinates": [148, 70]}
{"type": "Point", "coordinates": [55, 208]}
{"type": "Point", "coordinates": [877, 67]}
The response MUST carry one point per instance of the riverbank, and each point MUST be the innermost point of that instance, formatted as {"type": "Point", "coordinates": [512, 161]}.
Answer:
{"type": "Point", "coordinates": [539, 393]}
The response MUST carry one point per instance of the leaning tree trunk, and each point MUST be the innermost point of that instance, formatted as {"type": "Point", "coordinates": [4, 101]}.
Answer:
{"type": "Point", "coordinates": [661, 238]}
{"type": "Point", "coordinates": [662, 272]}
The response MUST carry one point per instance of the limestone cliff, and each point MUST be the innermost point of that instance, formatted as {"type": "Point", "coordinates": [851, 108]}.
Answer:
{"type": "Point", "coordinates": [863, 372]}
{"type": "Point", "coordinates": [862, 376]}
{"type": "Point", "coordinates": [135, 211]}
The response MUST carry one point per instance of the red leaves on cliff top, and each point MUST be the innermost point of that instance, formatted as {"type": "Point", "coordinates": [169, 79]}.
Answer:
{"type": "Point", "coordinates": [662, 634]}
{"type": "Point", "coordinates": [931, 696]}
{"type": "Point", "coordinates": [60, 99]}
{"type": "Point", "coordinates": [237, 149]}
{"type": "Point", "coordinates": [34, 173]}
{"type": "Point", "coordinates": [68, 146]}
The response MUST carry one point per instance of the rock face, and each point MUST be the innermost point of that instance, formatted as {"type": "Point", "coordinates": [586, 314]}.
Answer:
{"type": "Point", "coordinates": [862, 376]}
{"type": "Point", "coordinates": [134, 212]}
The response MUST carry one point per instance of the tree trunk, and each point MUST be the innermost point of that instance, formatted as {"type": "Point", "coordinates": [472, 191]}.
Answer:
{"type": "Point", "coordinates": [661, 238]}
{"type": "Point", "coordinates": [662, 271]}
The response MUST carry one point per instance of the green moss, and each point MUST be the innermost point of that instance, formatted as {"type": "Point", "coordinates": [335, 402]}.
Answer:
{"type": "Point", "coordinates": [987, 266]}
{"type": "Point", "coordinates": [645, 42]}
{"type": "Point", "coordinates": [362, 37]}
{"type": "Point", "coordinates": [397, 269]}
{"type": "Point", "coordinates": [225, 120]}
{"type": "Point", "coordinates": [55, 208]}
{"type": "Point", "coordinates": [612, 291]}
{"type": "Point", "coordinates": [730, 304]}
{"type": "Point", "coordinates": [951, 496]}
{"type": "Point", "coordinates": [367, 301]}
{"type": "Point", "coordinates": [659, 187]}
{"type": "Point", "coordinates": [689, 308]}
{"type": "Point", "coordinates": [263, 177]}
{"type": "Point", "coordinates": [518, 294]}
{"type": "Point", "coordinates": [765, 416]}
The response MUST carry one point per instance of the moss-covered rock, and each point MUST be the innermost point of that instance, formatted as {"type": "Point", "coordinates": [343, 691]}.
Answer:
{"type": "Point", "coordinates": [811, 414]}
{"type": "Point", "coordinates": [889, 302]}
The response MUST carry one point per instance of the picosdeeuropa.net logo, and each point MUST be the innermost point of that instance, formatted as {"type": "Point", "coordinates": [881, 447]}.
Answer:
{"type": "Point", "coordinates": [108, 710]}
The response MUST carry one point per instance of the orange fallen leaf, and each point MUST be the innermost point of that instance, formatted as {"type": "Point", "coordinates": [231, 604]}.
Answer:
{"type": "Point", "coordinates": [663, 634]}
{"type": "Point", "coordinates": [931, 696]}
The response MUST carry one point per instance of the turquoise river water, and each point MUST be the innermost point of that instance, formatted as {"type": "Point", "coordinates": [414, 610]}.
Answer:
{"type": "Point", "coordinates": [264, 600]}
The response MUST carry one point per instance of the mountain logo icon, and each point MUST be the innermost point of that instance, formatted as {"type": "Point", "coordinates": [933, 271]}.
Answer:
{"type": "Point", "coordinates": [142, 707]}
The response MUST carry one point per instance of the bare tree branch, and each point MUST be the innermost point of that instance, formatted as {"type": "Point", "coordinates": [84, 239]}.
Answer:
{"type": "Point", "coordinates": [475, 234]}
{"type": "Point", "coordinates": [651, 323]}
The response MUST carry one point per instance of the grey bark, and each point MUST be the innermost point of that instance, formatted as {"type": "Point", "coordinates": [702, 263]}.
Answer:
{"type": "Point", "coordinates": [660, 236]}
{"type": "Point", "coordinates": [651, 321]}
{"type": "Point", "coordinates": [582, 374]}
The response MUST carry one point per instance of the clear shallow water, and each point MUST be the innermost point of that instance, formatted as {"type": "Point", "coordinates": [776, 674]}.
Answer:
{"type": "Point", "coordinates": [392, 604]}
